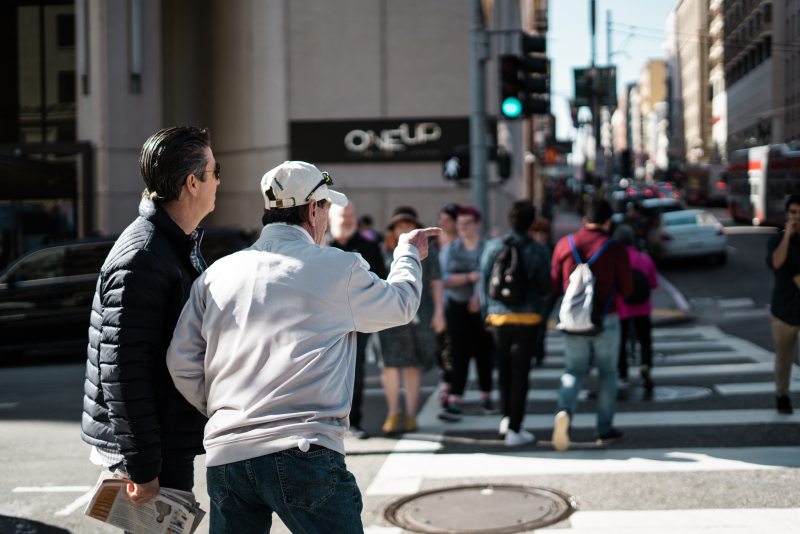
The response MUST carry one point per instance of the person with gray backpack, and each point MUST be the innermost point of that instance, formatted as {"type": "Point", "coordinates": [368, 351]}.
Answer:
{"type": "Point", "coordinates": [590, 269]}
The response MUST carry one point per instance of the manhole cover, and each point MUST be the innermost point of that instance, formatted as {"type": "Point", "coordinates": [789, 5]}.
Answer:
{"type": "Point", "coordinates": [480, 509]}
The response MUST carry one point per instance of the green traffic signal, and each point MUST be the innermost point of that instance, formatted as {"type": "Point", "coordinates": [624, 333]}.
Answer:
{"type": "Point", "coordinates": [511, 107]}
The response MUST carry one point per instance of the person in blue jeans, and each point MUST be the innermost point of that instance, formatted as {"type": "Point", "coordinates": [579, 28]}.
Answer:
{"type": "Point", "coordinates": [612, 273]}
{"type": "Point", "coordinates": [266, 348]}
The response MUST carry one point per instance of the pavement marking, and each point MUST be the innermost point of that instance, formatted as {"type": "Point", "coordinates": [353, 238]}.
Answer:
{"type": "Point", "coordinates": [78, 503]}
{"type": "Point", "coordinates": [394, 476]}
{"type": "Point", "coordinates": [745, 302]}
{"type": "Point", "coordinates": [681, 418]}
{"type": "Point", "coordinates": [51, 489]}
{"type": "Point", "coordinates": [746, 388]}
{"type": "Point", "coordinates": [676, 295]}
{"type": "Point", "coordinates": [702, 521]}
{"type": "Point", "coordinates": [746, 314]}
{"type": "Point", "coordinates": [8, 405]}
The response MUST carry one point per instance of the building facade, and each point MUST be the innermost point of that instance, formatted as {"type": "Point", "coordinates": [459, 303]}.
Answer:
{"type": "Point", "coordinates": [375, 92]}
{"type": "Point", "coordinates": [716, 80]}
{"type": "Point", "coordinates": [692, 51]}
{"type": "Point", "coordinates": [756, 54]}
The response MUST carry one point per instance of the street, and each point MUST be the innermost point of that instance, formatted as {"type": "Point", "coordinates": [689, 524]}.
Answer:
{"type": "Point", "coordinates": [708, 453]}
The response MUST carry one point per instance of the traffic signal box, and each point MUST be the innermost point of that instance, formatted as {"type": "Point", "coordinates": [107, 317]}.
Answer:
{"type": "Point", "coordinates": [524, 80]}
{"type": "Point", "coordinates": [510, 87]}
{"type": "Point", "coordinates": [535, 75]}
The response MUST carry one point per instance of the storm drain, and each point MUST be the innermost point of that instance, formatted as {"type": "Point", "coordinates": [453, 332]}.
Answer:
{"type": "Point", "coordinates": [480, 509]}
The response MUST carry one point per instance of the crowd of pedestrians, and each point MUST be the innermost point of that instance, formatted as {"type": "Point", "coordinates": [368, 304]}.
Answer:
{"type": "Point", "coordinates": [258, 360]}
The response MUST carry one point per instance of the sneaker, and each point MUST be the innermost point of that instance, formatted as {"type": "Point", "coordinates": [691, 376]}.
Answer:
{"type": "Point", "coordinates": [609, 437]}
{"type": "Point", "coordinates": [357, 433]}
{"type": "Point", "coordinates": [503, 430]}
{"type": "Point", "coordinates": [784, 404]}
{"type": "Point", "coordinates": [517, 439]}
{"type": "Point", "coordinates": [453, 408]}
{"type": "Point", "coordinates": [560, 437]}
{"type": "Point", "coordinates": [487, 407]}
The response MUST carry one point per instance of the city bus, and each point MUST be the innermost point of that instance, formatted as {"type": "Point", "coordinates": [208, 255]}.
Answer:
{"type": "Point", "coordinates": [759, 180]}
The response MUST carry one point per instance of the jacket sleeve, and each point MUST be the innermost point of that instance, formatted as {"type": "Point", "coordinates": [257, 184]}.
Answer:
{"type": "Point", "coordinates": [186, 353]}
{"type": "Point", "coordinates": [490, 252]}
{"type": "Point", "coordinates": [134, 302]}
{"type": "Point", "coordinates": [377, 304]}
{"type": "Point", "coordinates": [540, 270]}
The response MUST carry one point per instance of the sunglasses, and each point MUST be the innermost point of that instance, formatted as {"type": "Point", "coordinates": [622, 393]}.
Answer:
{"type": "Point", "coordinates": [216, 171]}
{"type": "Point", "coordinates": [326, 180]}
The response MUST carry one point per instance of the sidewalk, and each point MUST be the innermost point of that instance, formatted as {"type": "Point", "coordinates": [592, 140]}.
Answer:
{"type": "Point", "coordinates": [669, 305]}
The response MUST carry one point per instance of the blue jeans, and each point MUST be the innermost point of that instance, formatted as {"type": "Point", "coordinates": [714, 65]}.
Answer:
{"type": "Point", "coordinates": [312, 492]}
{"type": "Point", "coordinates": [578, 351]}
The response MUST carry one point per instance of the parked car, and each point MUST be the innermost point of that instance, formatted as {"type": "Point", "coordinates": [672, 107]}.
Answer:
{"type": "Point", "coordinates": [46, 295]}
{"type": "Point", "coordinates": [688, 234]}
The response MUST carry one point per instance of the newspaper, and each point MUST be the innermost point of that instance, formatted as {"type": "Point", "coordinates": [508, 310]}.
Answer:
{"type": "Point", "coordinates": [172, 512]}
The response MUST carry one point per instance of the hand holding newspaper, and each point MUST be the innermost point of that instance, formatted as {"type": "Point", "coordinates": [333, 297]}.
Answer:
{"type": "Point", "coordinates": [172, 512]}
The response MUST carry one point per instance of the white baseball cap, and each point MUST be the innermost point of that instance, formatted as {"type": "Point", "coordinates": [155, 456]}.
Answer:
{"type": "Point", "coordinates": [295, 183]}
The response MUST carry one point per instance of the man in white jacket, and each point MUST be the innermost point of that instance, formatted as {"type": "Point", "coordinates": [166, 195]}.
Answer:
{"type": "Point", "coordinates": [265, 347]}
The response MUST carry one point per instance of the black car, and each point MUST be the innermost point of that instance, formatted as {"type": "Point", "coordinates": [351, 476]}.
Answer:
{"type": "Point", "coordinates": [46, 295]}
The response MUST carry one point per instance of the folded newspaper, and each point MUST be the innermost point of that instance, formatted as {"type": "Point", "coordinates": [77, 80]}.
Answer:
{"type": "Point", "coordinates": [172, 512]}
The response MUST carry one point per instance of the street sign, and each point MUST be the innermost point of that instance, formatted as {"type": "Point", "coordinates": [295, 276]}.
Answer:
{"type": "Point", "coordinates": [600, 82]}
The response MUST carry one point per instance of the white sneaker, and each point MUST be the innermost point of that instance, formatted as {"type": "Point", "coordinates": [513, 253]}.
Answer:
{"type": "Point", "coordinates": [503, 430]}
{"type": "Point", "coordinates": [516, 439]}
{"type": "Point", "coordinates": [561, 432]}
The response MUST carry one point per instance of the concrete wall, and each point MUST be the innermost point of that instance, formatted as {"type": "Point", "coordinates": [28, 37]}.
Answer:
{"type": "Point", "coordinates": [247, 68]}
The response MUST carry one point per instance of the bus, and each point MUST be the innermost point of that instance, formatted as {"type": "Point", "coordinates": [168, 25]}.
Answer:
{"type": "Point", "coordinates": [759, 180]}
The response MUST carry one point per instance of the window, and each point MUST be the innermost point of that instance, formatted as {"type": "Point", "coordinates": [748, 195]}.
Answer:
{"type": "Point", "coordinates": [66, 86]}
{"type": "Point", "coordinates": [86, 258]}
{"type": "Point", "coordinates": [65, 30]}
{"type": "Point", "coordinates": [48, 263]}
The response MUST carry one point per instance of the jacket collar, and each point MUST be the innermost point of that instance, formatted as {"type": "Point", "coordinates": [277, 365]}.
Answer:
{"type": "Point", "coordinates": [284, 231]}
{"type": "Point", "coordinates": [155, 213]}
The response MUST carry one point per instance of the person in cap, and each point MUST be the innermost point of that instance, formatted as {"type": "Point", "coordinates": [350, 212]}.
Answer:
{"type": "Point", "coordinates": [266, 348]}
{"type": "Point", "coordinates": [409, 349]}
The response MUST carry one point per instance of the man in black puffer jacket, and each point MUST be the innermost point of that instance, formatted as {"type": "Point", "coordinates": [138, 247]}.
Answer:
{"type": "Point", "coordinates": [134, 418]}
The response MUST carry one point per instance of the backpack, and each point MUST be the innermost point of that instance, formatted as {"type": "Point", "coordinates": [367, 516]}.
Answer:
{"type": "Point", "coordinates": [641, 288]}
{"type": "Point", "coordinates": [508, 279]}
{"type": "Point", "coordinates": [579, 311]}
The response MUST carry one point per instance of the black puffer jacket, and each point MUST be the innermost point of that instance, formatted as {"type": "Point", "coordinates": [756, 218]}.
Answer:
{"type": "Point", "coordinates": [130, 403]}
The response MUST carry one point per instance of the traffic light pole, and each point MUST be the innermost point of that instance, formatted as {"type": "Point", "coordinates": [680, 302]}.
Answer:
{"type": "Point", "coordinates": [477, 119]}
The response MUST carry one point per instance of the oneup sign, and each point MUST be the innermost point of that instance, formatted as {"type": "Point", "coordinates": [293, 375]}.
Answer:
{"type": "Point", "coordinates": [377, 140]}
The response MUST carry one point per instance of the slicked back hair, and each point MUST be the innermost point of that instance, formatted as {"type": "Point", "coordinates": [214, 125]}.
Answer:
{"type": "Point", "coordinates": [169, 156]}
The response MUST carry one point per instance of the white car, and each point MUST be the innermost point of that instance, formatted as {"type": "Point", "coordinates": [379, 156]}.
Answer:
{"type": "Point", "coordinates": [689, 234]}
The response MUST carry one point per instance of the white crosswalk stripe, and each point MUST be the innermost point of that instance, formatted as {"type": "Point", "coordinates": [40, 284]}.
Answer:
{"type": "Point", "coordinates": [732, 368]}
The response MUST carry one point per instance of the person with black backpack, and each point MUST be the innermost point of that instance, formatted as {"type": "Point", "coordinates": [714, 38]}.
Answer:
{"type": "Point", "coordinates": [590, 268]}
{"type": "Point", "coordinates": [514, 282]}
{"type": "Point", "coordinates": [635, 309]}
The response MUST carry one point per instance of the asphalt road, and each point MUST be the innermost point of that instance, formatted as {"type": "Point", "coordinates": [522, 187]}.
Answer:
{"type": "Point", "coordinates": [44, 468]}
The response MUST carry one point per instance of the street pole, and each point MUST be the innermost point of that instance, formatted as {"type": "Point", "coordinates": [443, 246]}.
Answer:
{"type": "Point", "coordinates": [477, 120]}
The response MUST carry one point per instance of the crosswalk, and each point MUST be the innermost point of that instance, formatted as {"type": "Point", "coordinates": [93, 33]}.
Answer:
{"type": "Point", "coordinates": [713, 412]}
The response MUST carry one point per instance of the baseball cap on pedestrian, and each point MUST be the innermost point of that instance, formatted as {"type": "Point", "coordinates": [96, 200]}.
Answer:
{"type": "Point", "coordinates": [295, 183]}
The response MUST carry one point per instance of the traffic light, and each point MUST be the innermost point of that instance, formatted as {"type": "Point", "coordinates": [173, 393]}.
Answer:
{"type": "Point", "coordinates": [535, 75]}
{"type": "Point", "coordinates": [510, 87]}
